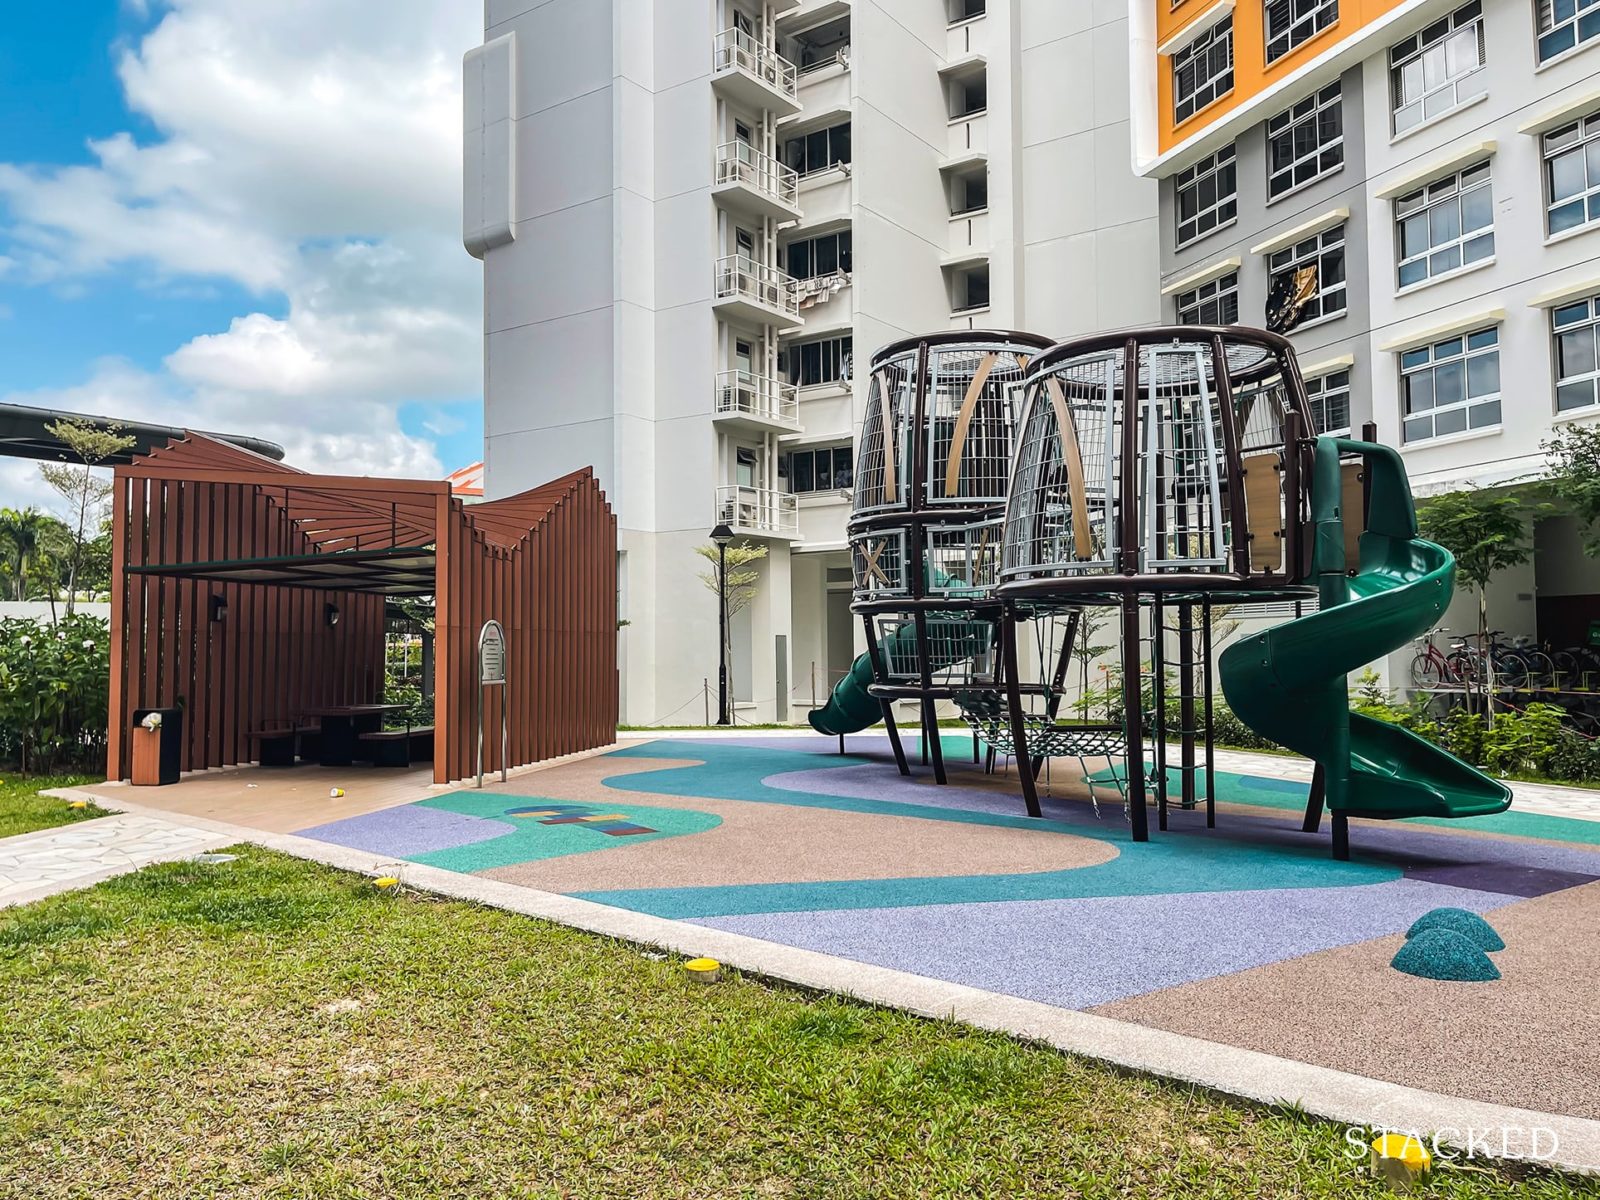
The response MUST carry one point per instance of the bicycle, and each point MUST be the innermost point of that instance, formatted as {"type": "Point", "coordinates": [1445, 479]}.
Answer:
{"type": "Point", "coordinates": [1432, 670]}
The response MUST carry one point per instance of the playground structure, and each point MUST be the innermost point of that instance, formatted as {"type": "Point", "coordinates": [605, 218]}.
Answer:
{"type": "Point", "coordinates": [932, 465]}
{"type": "Point", "coordinates": [1158, 472]}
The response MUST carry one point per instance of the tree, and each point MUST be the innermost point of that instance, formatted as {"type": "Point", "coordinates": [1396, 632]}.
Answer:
{"type": "Point", "coordinates": [20, 535]}
{"type": "Point", "coordinates": [1487, 531]}
{"type": "Point", "coordinates": [741, 581]}
{"type": "Point", "coordinates": [1574, 458]}
{"type": "Point", "coordinates": [85, 491]}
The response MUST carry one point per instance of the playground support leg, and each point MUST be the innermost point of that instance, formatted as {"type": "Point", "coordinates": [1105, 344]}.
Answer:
{"type": "Point", "coordinates": [1133, 716]}
{"type": "Point", "coordinates": [888, 709]}
{"type": "Point", "coordinates": [1341, 837]}
{"type": "Point", "coordinates": [1158, 692]}
{"type": "Point", "coordinates": [894, 739]}
{"type": "Point", "coordinates": [1186, 640]}
{"type": "Point", "coordinates": [930, 739]}
{"type": "Point", "coordinates": [1209, 686]}
{"type": "Point", "coordinates": [1019, 735]}
{"type": "Point", "coordinates": [1319, 792]}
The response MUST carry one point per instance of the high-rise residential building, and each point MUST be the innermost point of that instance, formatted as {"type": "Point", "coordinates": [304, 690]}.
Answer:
{"type": "Point", "coordinates": [1412, 189]}
{"type": "Point", "coordinates": [699, 218]}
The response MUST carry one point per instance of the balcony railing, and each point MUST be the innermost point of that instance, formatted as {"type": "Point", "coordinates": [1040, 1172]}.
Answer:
{"type": "Point", "coordinates": [740, 392]}
{"type": "Point", "coordinates": [839, 58]}
{"type": "Point", "coordinates": [739, 162]}
{"type": "Point", "coordinates": [736, 50]}
{"type": "Point", "coordinates": [758, 510]}
{"type": "Point", "coordinates": [741, 278]}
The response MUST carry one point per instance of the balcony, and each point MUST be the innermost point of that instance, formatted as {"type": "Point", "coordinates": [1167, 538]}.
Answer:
{"type": "Point", "coordinates": [825, 83]}
{"type": "Point", "coordinates": [756, 184]}
{"type": "Point", "coordinates": [755, 293]}
{"type": "Point", "coordinates": [751, 73]}
{"type": "Point", "coordinates": [747, 401]}
{"type": "Point", "coordinates": [969, 141]}
{"type": "Point", "coordinates": [969, 237]}
{"type": "Point", "coordinates": [759, 512]}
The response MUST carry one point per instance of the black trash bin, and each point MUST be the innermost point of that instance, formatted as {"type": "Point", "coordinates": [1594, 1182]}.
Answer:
{"type": "Point", "coordinates": [170, 736]}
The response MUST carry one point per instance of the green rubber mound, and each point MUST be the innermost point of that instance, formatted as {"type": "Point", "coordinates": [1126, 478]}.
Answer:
{"type": "Point", "coordinates": [1458, 920]}
{"type": "Point", "coordinates": [1444, 954]}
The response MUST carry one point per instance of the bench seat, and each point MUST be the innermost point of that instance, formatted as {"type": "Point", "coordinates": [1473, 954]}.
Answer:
{"type": "Point", "coordinates": [397, 747]}
{"type": "Point", "coordinates": [277, 746]}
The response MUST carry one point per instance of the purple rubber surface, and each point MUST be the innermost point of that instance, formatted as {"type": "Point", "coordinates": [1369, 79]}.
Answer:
{"type": "Point", "coordinates": [407, 830]}
{"type": "Point", "coordinates": [1079, 953]}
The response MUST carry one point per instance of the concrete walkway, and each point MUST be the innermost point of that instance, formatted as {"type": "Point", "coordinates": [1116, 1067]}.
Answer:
{"type": "Point", "coordinates": [40, 864]}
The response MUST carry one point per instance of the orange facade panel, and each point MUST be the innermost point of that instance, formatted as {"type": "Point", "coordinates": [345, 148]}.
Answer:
{"type": "Point", "coordinates": [1252, 74]}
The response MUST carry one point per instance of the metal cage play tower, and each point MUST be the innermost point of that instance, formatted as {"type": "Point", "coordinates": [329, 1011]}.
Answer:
{"type": "Point", "coordinates": [1157, 471]}
{"type": "Point", "coordinates": [933, 464]}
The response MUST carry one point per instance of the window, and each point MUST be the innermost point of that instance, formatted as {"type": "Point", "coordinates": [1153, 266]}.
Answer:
{"type": "Point", "coordinates": [1306, 281]}
{"type": "Point", "coordinates": [807, 364]}
{"type": "Point", "coordinates": [1208, 196]}
{"type": "Point", "coordinates": [1213, 303]}
{"type": "Point", "coordinates": [969, 288]}
{"type": "Point", "coordinates": [1574, 327]}
{"type": "Point", "coordinates": [1291, 22]}
{"type": "Point", "coordinates": [1451, 386]}
{"type": "Point", "coordinates": [1202, 71]}
{"type": "Point", "coordinates": [1564, 24]}
{"type": "Point", "coordinates": [1433, 71]}
{"type": "Point", "coordinates": [965, 10]}
{"type": "Point", "coordinates": [1330, 401]}
{"type": "Point", "coordinates": [818, 151]}
{"type": "Point", "coordinates": [969, 193]}
{"type": "Point", "coordinates": [1444, 226]}
{"type": "Point", "coordinates": [1572, 174]}
{"type": "Point", "coordinates": [820, 470]}
{"type": "Point", "coordinates": [969, 96]}
{"type": "Point", "coordinates": [1305, 142]}
{"type": "Point", "coordinates": [818, 256]}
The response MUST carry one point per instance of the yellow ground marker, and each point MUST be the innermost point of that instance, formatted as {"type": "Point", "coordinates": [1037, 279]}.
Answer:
{"type": "Point", "coordinates": [703, 970]}
{"type": "Point", "coordinates": [1401, 1161]}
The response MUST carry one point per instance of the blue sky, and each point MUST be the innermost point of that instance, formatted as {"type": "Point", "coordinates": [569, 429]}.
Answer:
{"type": "Point", "coordinates": [103, 294]}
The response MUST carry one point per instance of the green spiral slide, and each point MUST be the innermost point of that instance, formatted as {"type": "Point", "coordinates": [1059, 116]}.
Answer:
{"type": "Point", "coordinates": [1289, 682]}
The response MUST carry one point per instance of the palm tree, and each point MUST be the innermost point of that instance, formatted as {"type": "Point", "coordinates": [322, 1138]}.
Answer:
{"type": "Point", "coordinates": [20, 532]}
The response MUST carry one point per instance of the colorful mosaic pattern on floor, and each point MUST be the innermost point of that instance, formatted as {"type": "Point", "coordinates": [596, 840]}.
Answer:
{"type": "Point", "coordinates": [479, 831]}
{"type": "Point", "coordinates": [781, 840]}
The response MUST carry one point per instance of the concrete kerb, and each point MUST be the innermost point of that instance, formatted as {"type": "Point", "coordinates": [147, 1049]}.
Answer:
{"type": "Point", "coordinates": [1320, 1091]}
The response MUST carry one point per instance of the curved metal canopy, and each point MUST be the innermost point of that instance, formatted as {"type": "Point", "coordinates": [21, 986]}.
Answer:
{"type": "Point", "coordinates": [23, 435]}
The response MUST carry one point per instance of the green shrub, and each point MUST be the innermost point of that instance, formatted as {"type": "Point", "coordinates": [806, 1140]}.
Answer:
{"type": "Point", "coordinates": [1523, 742]}
{"type": "Point", "coordinates": [1574, 757]}
{"type": "Point", "coordinates": [55, 684]}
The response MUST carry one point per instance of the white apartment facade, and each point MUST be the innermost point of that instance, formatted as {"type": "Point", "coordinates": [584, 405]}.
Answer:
{"type": "Point", "coordinates": [1438, 163]}
{"type": "Point", "coordinates": [700, 218]}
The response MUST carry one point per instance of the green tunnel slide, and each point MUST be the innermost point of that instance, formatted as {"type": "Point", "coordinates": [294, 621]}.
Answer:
{"type": "Point", "coordinates": [1288, 683]}
{"type": "Point", "coordinates": [851, 709]}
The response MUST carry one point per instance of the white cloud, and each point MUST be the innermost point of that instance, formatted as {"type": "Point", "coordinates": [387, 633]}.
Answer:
{"type": "Point", "coordinates": [307, 150]}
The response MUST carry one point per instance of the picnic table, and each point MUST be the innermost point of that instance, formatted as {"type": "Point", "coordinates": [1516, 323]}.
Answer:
{"type": "Point", "coordinates": [343, 724]}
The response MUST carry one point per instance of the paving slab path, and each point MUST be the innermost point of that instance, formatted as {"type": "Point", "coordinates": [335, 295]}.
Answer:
{"type": "Point", "coordinates": [47, 861]}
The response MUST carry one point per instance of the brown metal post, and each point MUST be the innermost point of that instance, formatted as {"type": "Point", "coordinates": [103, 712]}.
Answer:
{"type": "Point", "coordinates": [1238, 520]}
{"type": "Point", "coordinates": [1019, 731]}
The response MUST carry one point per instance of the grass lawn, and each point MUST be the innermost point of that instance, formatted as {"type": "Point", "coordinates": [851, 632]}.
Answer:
{"type": "Point", "coordinates": [23, 809]}
{"type": "Point", "coordinates": [270, 1028]}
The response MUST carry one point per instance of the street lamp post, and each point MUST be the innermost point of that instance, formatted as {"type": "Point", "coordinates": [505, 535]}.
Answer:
{"type": "Point", "coordinates": [722, 535]}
